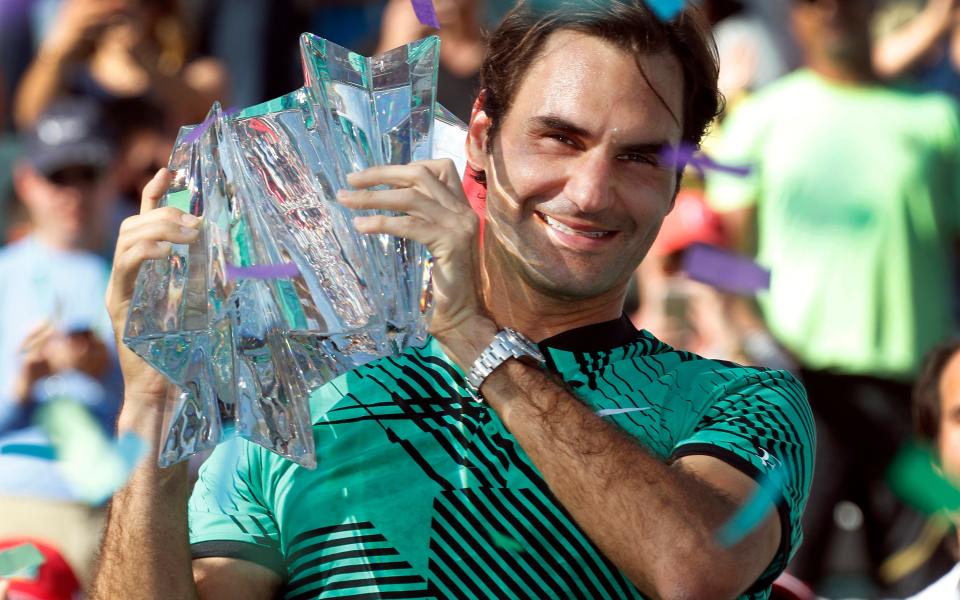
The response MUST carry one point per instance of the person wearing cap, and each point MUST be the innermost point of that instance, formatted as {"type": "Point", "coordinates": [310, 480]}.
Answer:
{"type": "Point", "coordinates": [54, 332]}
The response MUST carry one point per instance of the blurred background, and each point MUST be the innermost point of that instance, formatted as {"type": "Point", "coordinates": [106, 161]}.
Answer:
{"type": "Point", "coordinates": [845, 110]}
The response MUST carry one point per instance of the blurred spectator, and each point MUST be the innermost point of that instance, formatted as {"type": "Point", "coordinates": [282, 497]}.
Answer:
{"type": "Point", "coordinates": [936, 412]}
{"type": "Point", "coordinates": [684, 313]}
{"type": "Point", "coordinates": [16, 51]}
{"type": "Point", "coordinates": [920, 40]}
{"type": "Point", "coordinates": [754, 46]}
{"type": "Point", "coordinates": [855, 205]}
{"type": "Point", "coordinates": [461, 50]}
{"type": "Point", "coordinates": [688, 314]}
{"type": "Point", "coordinates": [120, 49]}
{"type": "Point", "coordinates": [55, 339]}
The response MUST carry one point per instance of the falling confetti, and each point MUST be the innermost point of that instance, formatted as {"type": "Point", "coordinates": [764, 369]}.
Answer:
{"type": "Point", "coordinates": [754, 511]}
{"type": "Point", "coordinates": [724, 270]}
{"type": "Point", "coordinates": [666, 10]}
{"type": "Point", "coordinates": [18, 559]}
{"type": "Point", "coordinates": [425, 13]}
{"type": "Point", "coordinates": [914, 476]}
{"type": "Point", "coordinates": [194, 135]}
{"type": "Point", "coordinates": [94, 465]}
{"type": "Point", "coordinates": [277, 271]}
{"type": "Point", "coordinates": [686, 154]}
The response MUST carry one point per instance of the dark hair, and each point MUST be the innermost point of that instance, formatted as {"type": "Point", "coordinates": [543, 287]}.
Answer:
{"type": "Point", "coordinates": [926, 392]}
{"type": "Point", "coordinates": [629, 24]}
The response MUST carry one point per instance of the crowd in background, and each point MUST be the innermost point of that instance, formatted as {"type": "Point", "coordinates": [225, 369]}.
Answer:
{"type": "Point", "coordinates": [846, 110]}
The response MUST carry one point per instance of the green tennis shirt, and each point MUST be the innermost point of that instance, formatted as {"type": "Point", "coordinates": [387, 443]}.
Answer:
{"type": "Point", "coordinates": [421, 492]}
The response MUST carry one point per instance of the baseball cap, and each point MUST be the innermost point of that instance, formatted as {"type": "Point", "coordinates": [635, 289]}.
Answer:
{"type": "Point", "coordinates": [71, 132]}
{"type": "Point", "coordinates": [53, 580]}
{"type": "Point", "coordinates": [690, 222]}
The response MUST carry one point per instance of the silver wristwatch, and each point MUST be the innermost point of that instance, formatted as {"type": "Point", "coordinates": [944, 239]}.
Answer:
{"type": "Point", "coordinates": [507, 344]}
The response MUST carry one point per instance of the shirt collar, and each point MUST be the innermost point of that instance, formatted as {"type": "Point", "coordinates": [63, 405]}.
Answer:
{"type": "Point", "coordinates": [596, 337]}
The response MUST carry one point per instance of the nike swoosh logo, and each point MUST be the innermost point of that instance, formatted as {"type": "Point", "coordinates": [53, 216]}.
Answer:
{"type": "Point", "coordinates": [619, 411]}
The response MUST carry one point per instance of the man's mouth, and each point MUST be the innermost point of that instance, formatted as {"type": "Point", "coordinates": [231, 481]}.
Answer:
{"type": "Point", "coordinates": [562, 228]}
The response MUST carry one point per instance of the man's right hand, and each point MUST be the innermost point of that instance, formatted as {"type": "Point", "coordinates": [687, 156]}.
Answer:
{"type": "Point", "coordinates": [78, 25]}
{"type": "Point", "coordinates": [148, 235]}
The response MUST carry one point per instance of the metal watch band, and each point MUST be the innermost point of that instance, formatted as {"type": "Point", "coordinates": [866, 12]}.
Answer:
{"type": "Point", "coordinates": [507, 344]}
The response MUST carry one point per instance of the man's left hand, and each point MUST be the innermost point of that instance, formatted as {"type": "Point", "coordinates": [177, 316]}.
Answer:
{"type": "Point", "coordinates": [432, 209]}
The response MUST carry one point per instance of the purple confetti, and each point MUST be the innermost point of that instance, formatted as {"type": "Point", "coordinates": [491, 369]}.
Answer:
{"type": "Point", "coordinates": [194, 135]}
{"type": "Point", "coordinates": [278, 271]}
{"type": "Point", "coordinates": [425, 13]}
{"type": "Point", "coordinates": [724, 270]}
{"type": "Point", "coordinates": [685, 154]}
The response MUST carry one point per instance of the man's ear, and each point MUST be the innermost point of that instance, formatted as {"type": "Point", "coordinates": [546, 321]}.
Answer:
{"type": "Point", "coordinates": [477, 135]}
{"type": "Point", "coordinates": [24, 181]}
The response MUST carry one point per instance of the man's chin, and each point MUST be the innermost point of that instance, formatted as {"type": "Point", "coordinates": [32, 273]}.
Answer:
{"type": "Point", "coordinates": [573, 285]}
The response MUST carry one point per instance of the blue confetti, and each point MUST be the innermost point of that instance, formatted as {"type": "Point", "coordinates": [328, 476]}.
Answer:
{"type": "Point", "coordinates": [755, 510]}
{"type": "Point", "coordinates": [666, 10]}
{"type": "Point", "coordinates": [19, 559]}
{"type": "Point", "coordinates": [34, 450]}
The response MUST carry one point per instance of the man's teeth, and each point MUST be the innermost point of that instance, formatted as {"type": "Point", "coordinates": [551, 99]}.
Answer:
{"type": "Point", "coordinates": [569, 231]}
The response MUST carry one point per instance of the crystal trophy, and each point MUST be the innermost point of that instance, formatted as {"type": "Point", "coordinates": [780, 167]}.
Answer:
{"type": "Point", "coordinates": [280, 294]}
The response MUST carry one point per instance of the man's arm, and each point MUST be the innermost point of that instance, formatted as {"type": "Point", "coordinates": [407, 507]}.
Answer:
{"type": "Point", "coordinates": [145, 551]}
{"type": "Point", "coordinates": [656, 522]}
{"type": "Point", "coordinates": [898, 52]}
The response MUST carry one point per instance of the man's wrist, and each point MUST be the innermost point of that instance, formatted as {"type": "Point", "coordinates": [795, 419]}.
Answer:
{"type": "Point", "coordinates": [464, 344]}
{"type": "Point", "coordinates": [140, 415]}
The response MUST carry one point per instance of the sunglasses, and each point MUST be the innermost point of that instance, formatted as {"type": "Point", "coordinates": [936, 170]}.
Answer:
{"type": "Point", "coordinates": [78, 176]}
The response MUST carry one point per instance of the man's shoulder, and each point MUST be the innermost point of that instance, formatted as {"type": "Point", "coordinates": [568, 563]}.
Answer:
{"type": "Point", "coordinates": [658, 371]}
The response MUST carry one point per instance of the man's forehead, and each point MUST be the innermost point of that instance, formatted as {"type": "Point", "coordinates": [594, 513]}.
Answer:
{"type": "Point", "coordinates": [950, 382]}
{"type": "Point", "coordinates": [597, 84]}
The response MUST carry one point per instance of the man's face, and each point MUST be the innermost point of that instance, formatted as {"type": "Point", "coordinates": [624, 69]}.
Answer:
{"type": "Point", "coordinates": [575, 193]}
{"type": "Point", "coordinates": [68, 204]}
{"type": "Point", "coordinates": [949, 439]}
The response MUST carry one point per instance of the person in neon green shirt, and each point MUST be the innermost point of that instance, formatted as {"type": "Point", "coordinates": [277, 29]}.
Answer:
{"type": "Point", "coordinates": [855, 200]}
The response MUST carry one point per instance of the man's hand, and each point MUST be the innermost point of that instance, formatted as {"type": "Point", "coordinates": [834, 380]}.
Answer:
{"type": "Point", "coordinates": [148, 235]}
{"type": "Point", "coordinates": [35, 364]}
{"type": "Point", "coordinates": [435, 212]}
{"type": "Point", "coordinates": [79, 24]}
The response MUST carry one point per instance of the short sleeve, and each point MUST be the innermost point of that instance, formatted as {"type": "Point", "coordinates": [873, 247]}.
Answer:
{"type": "Point", "coordinates": [952, 153]}
{"type": "Point", "coordinates": [760, 421]}
{"type": "Point", "coordinates": [228, 516]}
{"type": "Point", "coordinates": [739, 144]}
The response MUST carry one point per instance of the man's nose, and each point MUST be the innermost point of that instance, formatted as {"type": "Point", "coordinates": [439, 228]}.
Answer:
{"type": "Point", "coordinates": [588, 185]}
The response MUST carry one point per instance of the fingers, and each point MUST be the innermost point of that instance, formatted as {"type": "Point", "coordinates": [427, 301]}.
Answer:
{"type": "Point", "coordinates": [437, 179]}
{"type": "Point", "coordinates": [154, 190]}
{"type": "Point", "coordinates": [401, 226]}
{"type": "Point", "coordinates": [37, 338]}
{"type": "Point", "coordinates": [125, 269]}
{"type": "Point", "coordinates": [161, 225]}
{"type": "Point", "coordinates": [405, 200]}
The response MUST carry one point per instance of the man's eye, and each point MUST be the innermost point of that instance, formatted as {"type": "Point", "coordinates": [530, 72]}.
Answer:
{"type": "Point", "coordinates": [561, 138]}
{"type": "Point", "coordinates": [636, 157]}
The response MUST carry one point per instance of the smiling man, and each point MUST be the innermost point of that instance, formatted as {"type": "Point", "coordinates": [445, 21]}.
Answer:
{"type": "Point", "coordinates": [537, 446]}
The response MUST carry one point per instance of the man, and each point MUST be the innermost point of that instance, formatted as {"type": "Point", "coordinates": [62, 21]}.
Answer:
{"type": "Point", "coordinates": [421, 489]}
{"type": "Point", "coordinates": [855, 201]}
{"type": "Point", "coordinates": [936, 411]}
{"type": "Point", "coordinates": [53, 328]}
